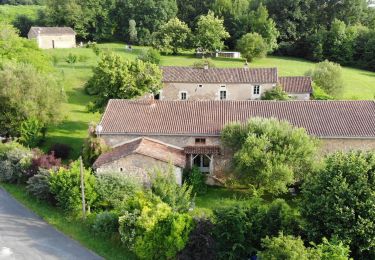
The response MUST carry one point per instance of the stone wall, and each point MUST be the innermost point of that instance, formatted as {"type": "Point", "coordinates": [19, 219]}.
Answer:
{"type": "Point", "coordinates": [59, 41]}
{"type": "Point", "coordinates": [346, 144]}
{"type": "Point", "coordinates": [138, 166]}
{"type": "Point", "coordinates": [171, 91]}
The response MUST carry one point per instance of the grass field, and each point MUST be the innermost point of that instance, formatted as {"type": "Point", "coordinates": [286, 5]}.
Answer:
{"type": "Point", "coordinates": [72, 227]}
{"type": "Point", "coordinates": [359, 84]}
{"type": "Point", "coordinates": [9, 12]}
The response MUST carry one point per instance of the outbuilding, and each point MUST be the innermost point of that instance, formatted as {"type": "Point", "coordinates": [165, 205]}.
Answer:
{"type": "Point", "coordinates": [53, 37]}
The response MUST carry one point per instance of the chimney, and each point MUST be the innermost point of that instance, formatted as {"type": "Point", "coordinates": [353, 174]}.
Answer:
{"type": "Point", "coordinates": [246, 65]}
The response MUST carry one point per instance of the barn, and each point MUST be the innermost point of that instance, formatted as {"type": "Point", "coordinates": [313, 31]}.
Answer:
{"type": "Point", "coordinates": [53, 37]}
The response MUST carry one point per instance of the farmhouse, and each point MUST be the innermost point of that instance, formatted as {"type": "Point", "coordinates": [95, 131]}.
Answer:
{"type": "Point", "coordinates": [191, 129]}
{"type": "Point", "coordinates": [53, 37]}
{"type": "Point", "coordinates": [186, 83]}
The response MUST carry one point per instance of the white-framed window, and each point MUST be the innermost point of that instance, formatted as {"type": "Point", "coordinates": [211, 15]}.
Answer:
{"type": "Point", "coordinates": [223, 94]}
{"type": "Point", "coordinates": [256, 90]}
{"type": "Point", "coordinates": [183, 95]}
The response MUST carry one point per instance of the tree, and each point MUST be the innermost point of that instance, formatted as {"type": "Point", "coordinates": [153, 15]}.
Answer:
{"type": "Point", "coordinates": [270, 154]}
{"type": "Point", "coordinates": [284, 247]}
{"type": "Point", "coordinates": [171, 36]}
{"type": "Point", "coordinates": [339, 201]}
{"type": "Point", "coordinates": [133, 34]}
{"type": "Point", "coordinates": [276, 93]}
{"type": "Point", "coordinates": [332, 250]}
{"type": "Point", "coordinates": [26, 94]}
{"type": "Point", "coordinates": [210, 33]}
{"type": "Point", "coordinates": [252, 46]}
{"type": "Point", "coordinates": [328, 76]}
{"type": "Point", "coordinates": [115, 77]}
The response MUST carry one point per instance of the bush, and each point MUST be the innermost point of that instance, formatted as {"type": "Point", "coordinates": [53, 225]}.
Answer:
{"type": "Point", "coordinates": [320, 94]}
{"type": "Point", "coordinates": [252, 46]}
{"type": "Point", "coordinates": [61, 151]}
{"type": "Point", "coordinates": [276, 93]}
{"type": "Point", "coordinates": [328, 76]}
{"type": "Point", "coordinates": [196, 180]}
{"type": "Point", "coordinates": [204, 62]}
{"type": "Point", "coordinates": [71, 58]}
{"type": "Point", "coordinates": [38, 186]}
{"type": "Point", "coordinates": [105, 224]}
{"type": "Point", "coordinates": [43, 161]}
{"type": "Point", "coordinates": [92, 148]}
{"type": "Point", "coordinates": [114, 189]}
{"type": "Point", "coordinates": [151, 55]}
{"type": "Point", "coordinates": [284, 247]}
{"type": "Point", "coordinates": [14, 161]}
{"type": "Point", "coordinates": [201, 244]}
{"type": "Point", "coordinates": [31, 132]}
{"type": "Point", "coordinates": [65, 186]}
{"type": "Point", "coordinates": [332, 250]}
{"type": "Point", "coordinates": [164, 185]}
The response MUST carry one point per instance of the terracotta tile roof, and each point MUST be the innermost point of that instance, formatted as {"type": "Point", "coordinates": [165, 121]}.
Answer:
{"type": "Point", "coordinates": [219, 75]}
{"type": "Point", "coordinates": [296, 84]}
{"type": "Point", "coordinates": [320, 118]}
{"type": "Point", "coordinates": [146, 147]}
{"type": "Point", "coordinates": [202, 149]}
{"type": "Point", "coordinates": [53, 30]}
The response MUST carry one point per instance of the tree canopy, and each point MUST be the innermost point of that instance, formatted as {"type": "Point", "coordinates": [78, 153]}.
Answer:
{"type": "Point", "coordinates": [269, 154]}
{"type": "Point", "coordinates": [115, 77]}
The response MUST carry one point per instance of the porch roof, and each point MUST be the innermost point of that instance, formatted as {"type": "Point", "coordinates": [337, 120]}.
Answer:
{"type": "Point", "coordinates": [202, 149]}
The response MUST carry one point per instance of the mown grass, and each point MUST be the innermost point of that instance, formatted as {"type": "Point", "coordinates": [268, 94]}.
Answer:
{"type": "Point", "coordinates": [359, 84]}
{"type": "Point", "coordinates": [73, 227]}
{"type": "Point", "coordinates": [9, 12]}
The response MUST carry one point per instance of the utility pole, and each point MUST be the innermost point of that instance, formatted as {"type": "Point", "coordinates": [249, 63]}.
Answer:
{"type": "Point", "coordinates": [82, 189]}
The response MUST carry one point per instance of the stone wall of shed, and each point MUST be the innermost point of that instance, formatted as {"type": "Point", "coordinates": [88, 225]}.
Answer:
{"type": "Point", "coordinates": [138, 166]}
{"type": "Point", "coordinates": [346, 144]}
{"type": "Point", "coordinates": [171, 91]}
{"type": "Point", "coordinates": [60, 41]}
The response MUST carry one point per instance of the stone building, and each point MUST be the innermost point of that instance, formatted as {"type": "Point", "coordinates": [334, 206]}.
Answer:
{"type": "Point", "coordinates": [186, 83]}
{"type": "Point", "coordinates": [53, 37]}
{"type": "Point", "coordinates": [194, 127]}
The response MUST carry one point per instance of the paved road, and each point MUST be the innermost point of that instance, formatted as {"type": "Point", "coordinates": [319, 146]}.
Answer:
{"type": "Point", "coordinates": [23, 235]}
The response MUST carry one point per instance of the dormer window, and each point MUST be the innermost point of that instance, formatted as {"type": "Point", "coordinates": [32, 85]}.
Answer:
{"type": "Point", "coordinates": [256, 90]}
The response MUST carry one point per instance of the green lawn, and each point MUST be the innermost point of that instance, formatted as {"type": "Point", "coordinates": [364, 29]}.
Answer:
{"type": "Point", "coordinates": [9, 12]}
{"type": "Point", "coordinates": [359, 84]}
{"type": "Point", "coordinates": [72, 227]}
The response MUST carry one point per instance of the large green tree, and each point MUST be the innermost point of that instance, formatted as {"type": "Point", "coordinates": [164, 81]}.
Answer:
{"type": "Point", "coordinates": [26, 93]}
{"type": "Point", "coordinates": [171, 36]}
{"type": "Point", "coordinates": [115, 77]}
{"type": "Point", "coordinates": [340, 201]}
{"type": "Point", "coordinates": [270, 154]}
{"type": "Point", "coordinates": [210, 33]}
{"type": "Point", "coordinates": [252, 46]}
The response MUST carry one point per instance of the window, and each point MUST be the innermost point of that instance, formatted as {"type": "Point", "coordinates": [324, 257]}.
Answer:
{"type": "Point", "coordinates": [200, 141]}
{"type": "Point", "coordinates": [223, 94]}
{"type": "Point", "coordinates": [256, 90]}
{"type": "Point", "coordinates": [158, 95]}
{"type": "Point", "coordinates": [200, 85]}
{"type": "Point", "coordinates": [183, 95]}
{"type": "Point", "coordinates": [121, 169]}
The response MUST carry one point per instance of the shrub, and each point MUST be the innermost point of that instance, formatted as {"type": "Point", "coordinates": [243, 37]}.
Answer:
{"type": "Point", "coordinates": [328, 76]}
{"type": "Point", "coordinates": [276, 93]}
{"type": "Point", "coordinates": [61, 151]}
{"type": "Point", "coordinates": [43, 161]}
{"type": "Point", "coordinates": [38, 185]}
{"type": "Point", "coordinates": [31, 132]}
{"type": "Point", "coordinates": [164, 185]}
{"type": "Point", "coordinates": [114, 189]}
{"type": "Point", "coordinates": [203, 63]}
{"type": "Point", "coordinates": [14, 160]}
{"type": "Point", "coordinates": [320, 94]}
{"type": "Point", "coordinates": [201, 244]}
{"type": "Point", "coordinates": [252, 46]}
{"type": "Point", "coordinates": [92, 148]}
{"type": "Point", "coordinates": [197, 181]}
{"type": "Point", "coordinates": [151, 55]}
{"type": "Point", "coordinates": [332, 250]}
{"type": "Point", "coordinates": [284, 247]}
{"type": "Point", "coordinates": [105, 223]}
{"type": "Point", "coordinates": [65, 186]}
{"type": "Point", "coordinates": [71, 58]}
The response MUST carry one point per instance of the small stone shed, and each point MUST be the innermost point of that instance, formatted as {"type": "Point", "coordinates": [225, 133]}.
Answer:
{"type": "Point", "coordinates": [136, 158]}
{"type": "Point", "coordinates": [53, 37]}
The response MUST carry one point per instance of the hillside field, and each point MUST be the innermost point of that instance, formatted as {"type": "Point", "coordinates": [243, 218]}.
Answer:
{"type": "Point", "coordinates": [9, 12]}
{"type": "Point", "coordinates": [359, 84]}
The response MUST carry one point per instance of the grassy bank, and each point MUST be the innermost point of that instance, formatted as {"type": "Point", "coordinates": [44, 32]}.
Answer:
{"type": "Point", "coordinates": [9, 12]}
{"type": "Point", "coordinates": [359, 84]}
{"type": "Point", "coordinates": [70, 226]}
